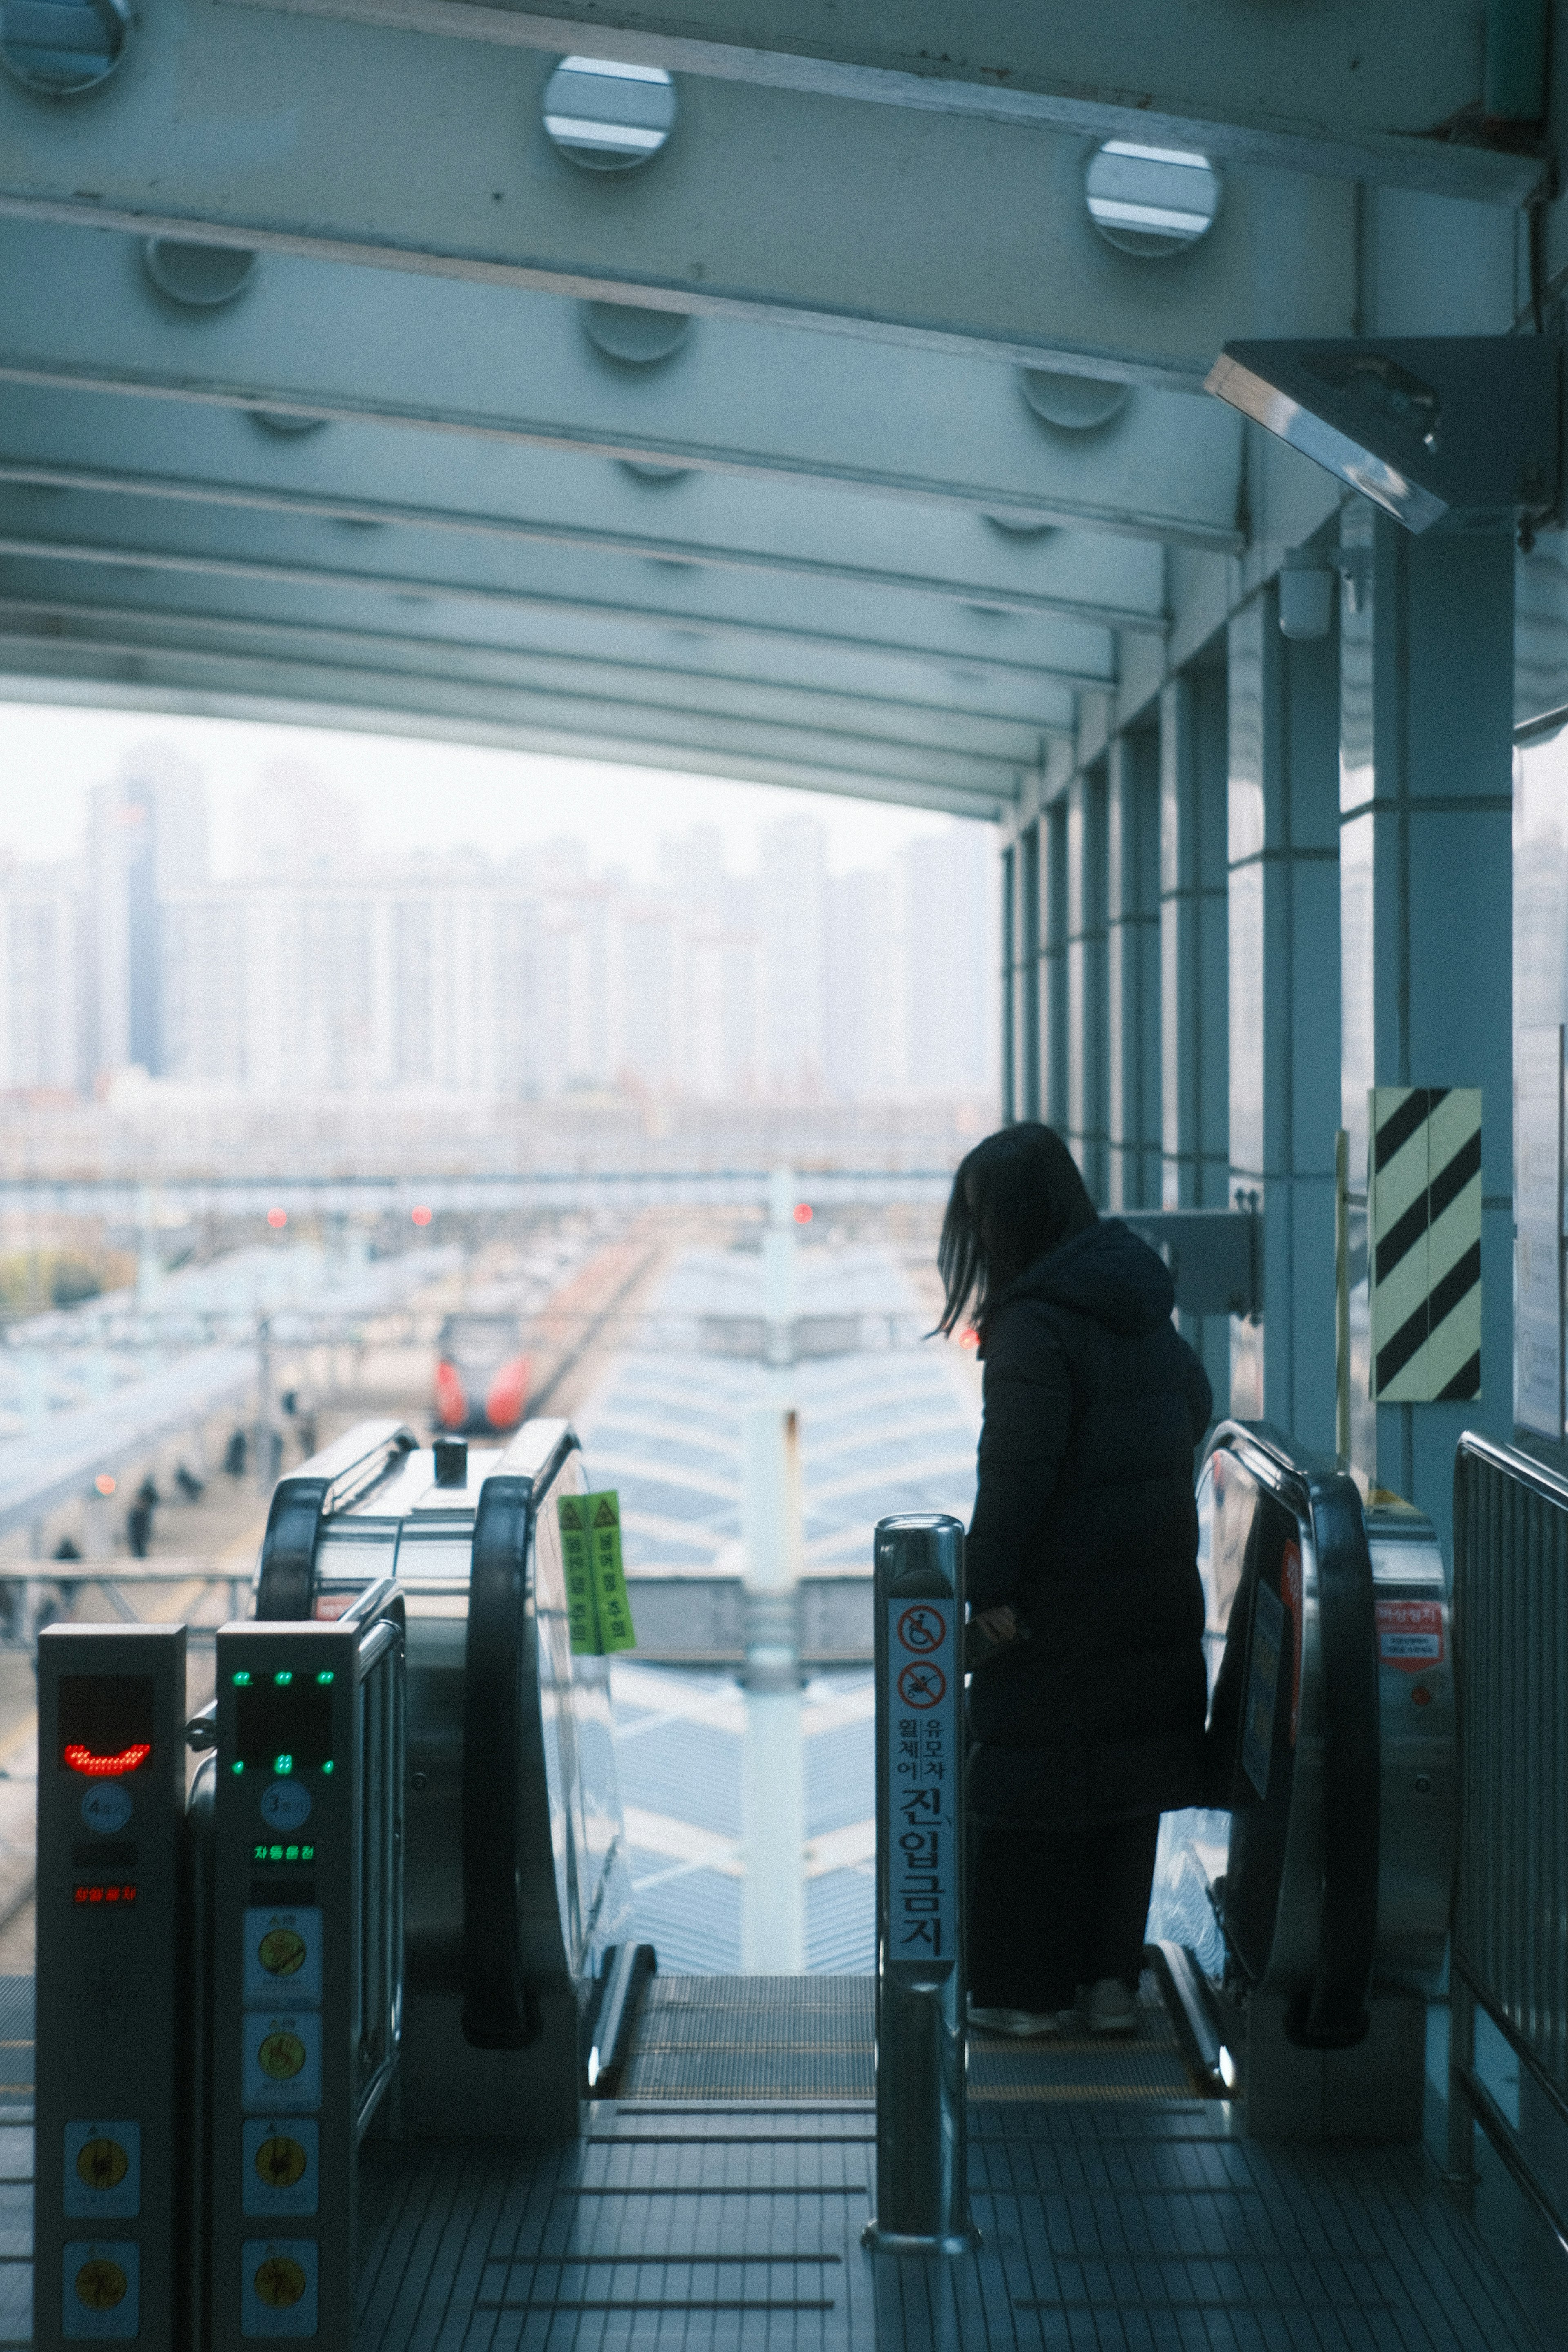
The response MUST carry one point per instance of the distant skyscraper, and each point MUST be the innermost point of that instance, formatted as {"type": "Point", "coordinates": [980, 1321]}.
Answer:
{"type": "Point", "coordinates": [147, 837]}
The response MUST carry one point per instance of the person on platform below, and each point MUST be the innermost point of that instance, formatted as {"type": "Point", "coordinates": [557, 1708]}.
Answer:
{"type": "Point", "coordinates": [1088, 1692]}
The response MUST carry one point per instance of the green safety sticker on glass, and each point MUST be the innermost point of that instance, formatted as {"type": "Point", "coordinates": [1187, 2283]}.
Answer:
{"type": "Point", "coordinates": [598, 1607]}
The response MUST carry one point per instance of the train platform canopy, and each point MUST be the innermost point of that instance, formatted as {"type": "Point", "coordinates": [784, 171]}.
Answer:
{"type": "Point", "coordinates": [785, 393]}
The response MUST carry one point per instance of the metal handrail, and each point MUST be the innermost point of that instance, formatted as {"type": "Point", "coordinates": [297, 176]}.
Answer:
{"type": "Point", "coordinates": [1510, 1594]}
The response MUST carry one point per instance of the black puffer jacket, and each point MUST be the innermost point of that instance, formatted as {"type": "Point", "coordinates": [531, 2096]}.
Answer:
{"type": "Point", "coordinates": [1085, 1518]}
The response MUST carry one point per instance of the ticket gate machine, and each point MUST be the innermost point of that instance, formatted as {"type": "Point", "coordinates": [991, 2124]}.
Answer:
{"type": "Point", "coordinates": [517, 1891]}
{"type": "Point", "coordinates": [1328, 1858]}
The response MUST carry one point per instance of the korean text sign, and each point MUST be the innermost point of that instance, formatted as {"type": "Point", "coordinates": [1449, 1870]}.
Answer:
{"type": "Point", "coordinates": [923, 1698]}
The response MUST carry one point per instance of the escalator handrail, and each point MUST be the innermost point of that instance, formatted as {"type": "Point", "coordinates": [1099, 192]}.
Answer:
{"type": "Point", "coordinates": [501, 2009]}
{"type": "Point", "coordinates": [1333, 2013]}
{"type": "Point", "coordinates": [285, 1573]}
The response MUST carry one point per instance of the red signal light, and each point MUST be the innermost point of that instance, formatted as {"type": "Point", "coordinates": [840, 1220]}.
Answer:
{"type": "Point", "coordinates": [969, 1340]}
{"type": "Point", "coordinates": [276, 1218]}
{"type": "Point", "coordinates": [421, 1215]}
{"type": "Point", "coordinates": [105, 1481]}
{"type": "Point", "coordinates": [106, 1768]}
{"type": "Point", "coordinates": [507, 1394]}
{"type": "Point", "coordinates": [452, 1398]}
{"type": "Point", "coordinates": [802, 1213]}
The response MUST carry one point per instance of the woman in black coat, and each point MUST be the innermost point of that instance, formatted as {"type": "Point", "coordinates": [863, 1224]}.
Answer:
{"type": "Point", "coordinates": [1081, 1565]}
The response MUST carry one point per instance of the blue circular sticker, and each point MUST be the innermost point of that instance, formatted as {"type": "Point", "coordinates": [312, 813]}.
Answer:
{"type": "Point", "coordinates": [285, 1805]}
{"type": "Point", "coordinates": [106, 1808]}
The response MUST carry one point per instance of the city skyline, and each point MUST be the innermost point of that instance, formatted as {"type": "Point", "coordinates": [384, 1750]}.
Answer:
{"type": "Point", "coordinates": [323, 967]}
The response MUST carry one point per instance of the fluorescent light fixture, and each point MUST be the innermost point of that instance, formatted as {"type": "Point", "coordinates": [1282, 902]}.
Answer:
{"type": "Point", "coordinates": [1458, 430]}
{"type": "Point", "coordinates": [1226, 2069]}
{"type": "Point", "coordinates": [605, 116]}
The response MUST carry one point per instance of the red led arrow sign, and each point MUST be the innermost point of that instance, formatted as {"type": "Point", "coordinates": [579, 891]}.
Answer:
{"type": "Point", "coordinates": [106, 1768]}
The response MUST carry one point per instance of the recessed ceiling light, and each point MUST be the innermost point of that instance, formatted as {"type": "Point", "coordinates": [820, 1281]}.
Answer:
{"type": "Point", "coordinates": [197, 277]}
{"type": "Point", "coordinates": [645, 469]}
{"type": "Point", "coordinates": [62, 46]}
{"type": "Point", "coordinates": [608, 118]}
{"type": "Point", "coordinates": [1076, 404]}
{"type": "Point", "coordinates": [638, 338]}
{"type": "Point", "coordinates": [1018, 526]}
{"type": "Point", "coordinates": [1150, 201]}
{"type": "Point", "coordinates": [278, 420]}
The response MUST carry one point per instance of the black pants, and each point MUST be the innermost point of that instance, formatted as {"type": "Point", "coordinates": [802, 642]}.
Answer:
{"type": "Point", "coordinates": [1049, 1910]}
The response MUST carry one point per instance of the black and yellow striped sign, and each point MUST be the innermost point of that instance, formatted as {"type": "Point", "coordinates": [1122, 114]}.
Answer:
{"type": "Point", "coordinates": [1424, 1243]}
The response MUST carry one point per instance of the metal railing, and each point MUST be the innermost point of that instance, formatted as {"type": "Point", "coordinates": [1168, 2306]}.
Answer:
{"type": "Point", "coordinates": [1511, 1912]}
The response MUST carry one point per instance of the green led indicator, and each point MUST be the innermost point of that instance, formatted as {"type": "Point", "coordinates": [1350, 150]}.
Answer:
{"type": "Point", "coordinates": [285, 1677]}
{"type": "Point", "coordinates": [327, 1675]}
{"type": "Point", "coordinates": [307, 1853]}
{"type": "Point", "coordinates": [327, 1765]}
{"type": "Point", "coordinates": [274, 1854]}
{"type": "Point", "coordinates": [282, 1763]}
{"type": "Point", "coordinates": [293, 1854]}
{"type": "Point", "coordinates": [240, 1680]}
{"type": "Point", "coordinates": [236, 1766]}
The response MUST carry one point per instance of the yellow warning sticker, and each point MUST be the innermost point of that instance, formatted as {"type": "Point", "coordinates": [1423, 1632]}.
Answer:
{"type": "Point", "coordinates": [101, 2164]}
{"type": "Point", "coordinates": [282, 1951]}
{"type": "Point", "coordinates": [280, 2162]}
{"type": "Point", "coordinates": [279, 2283]}
{"type": "Point", "coordinates": [101, 2284]}
{"type": "Point", "coordinates": [598, 1608]}
{"type": "Point", "coordinates": [281, 2056]}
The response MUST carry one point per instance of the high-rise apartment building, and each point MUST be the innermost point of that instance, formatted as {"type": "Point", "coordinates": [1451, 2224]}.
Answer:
{"type": "Point", "coordinates": [316, 971]}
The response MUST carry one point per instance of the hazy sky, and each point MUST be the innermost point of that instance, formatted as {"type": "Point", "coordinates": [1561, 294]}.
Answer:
{"type": "Point", "coordinates": [414, 795]}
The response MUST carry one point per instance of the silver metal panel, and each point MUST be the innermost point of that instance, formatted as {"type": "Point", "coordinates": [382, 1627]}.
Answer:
{"type": "Point", "coordinates": [1342, 92]}
{"type": "Point", "coordinates": [317, 140]}
{"type": "Point", "coordinates": [369, 473]}
{"type": "Point", "coordinates": [318, 338]}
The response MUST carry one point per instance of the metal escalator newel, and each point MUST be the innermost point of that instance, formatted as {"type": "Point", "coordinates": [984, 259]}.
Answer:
{"type": "Point", "coordinates": [112, 1997]}
{"type": "Point", "coordinates": [923, 2199]}
{"type": "Point", "coordinates": [307, 1958]}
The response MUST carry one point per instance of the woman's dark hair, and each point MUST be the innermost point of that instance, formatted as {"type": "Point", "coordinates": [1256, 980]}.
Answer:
{"type": "Point", "coordinates": [1017, 1197]}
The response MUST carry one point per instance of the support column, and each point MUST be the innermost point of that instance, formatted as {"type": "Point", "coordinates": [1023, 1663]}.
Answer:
{"type": "Point", "coordinates": [1008, 978]}
{"type": "Point", "coordinates": [1086, 977]}
{"type": "Point", "coordinates": [1284, 945]}
{"type": "Point", "coordinates": [1025, 991]}
{"type": "Point", "coordinates": [1053, 974]}
{"type": "Point", "coordinates": [1426, 917]}
{"type": "Point", "coordinates": [1133, 971]}
{"type": "Point", "coordinates": [1194, 991]}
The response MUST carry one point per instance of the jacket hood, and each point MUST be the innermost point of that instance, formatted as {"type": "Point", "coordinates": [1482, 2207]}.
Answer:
{"type": "Point", "coordinates": [1105, 1272]}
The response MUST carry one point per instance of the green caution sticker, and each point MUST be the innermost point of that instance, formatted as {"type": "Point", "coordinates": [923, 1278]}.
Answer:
{"type": "Point", "coordinates": [598, 1609]}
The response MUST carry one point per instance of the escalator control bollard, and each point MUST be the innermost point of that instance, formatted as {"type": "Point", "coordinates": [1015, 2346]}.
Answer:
{"type": "Point", "coordinates": [111, 1985]}
{"type": "Point", "coordinates": [307, 1958]}
{"type": "Point", "coordinates": [922, 2196]}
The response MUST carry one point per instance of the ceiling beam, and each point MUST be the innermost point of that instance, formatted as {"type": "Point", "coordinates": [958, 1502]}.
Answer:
{"type": "Point", "coordinates": [502, 584]}
{"type": "Point", "coordinates": [957, 704]}
{"type": "Point", "coordinates": [1390, 93]}
{"type": "Point", "coordinates": [369, 475]}
{"type": "Point", "coordinates": [938, 231]}
{"type": "Point", "coordinates": [487, 364]}
{"type": "Point", "coordinates": [587, 718]}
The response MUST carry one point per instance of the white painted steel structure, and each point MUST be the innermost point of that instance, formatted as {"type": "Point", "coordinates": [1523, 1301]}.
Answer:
{"type": "Point", "coordinates": [842, 526]}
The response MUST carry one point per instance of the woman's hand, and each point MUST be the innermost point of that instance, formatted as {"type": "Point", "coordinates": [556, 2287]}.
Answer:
{"type": "Point", "coordinates": [1001, 1624]}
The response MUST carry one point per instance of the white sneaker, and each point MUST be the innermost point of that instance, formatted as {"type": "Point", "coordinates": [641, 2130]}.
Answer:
{"type": "Point", "coordinates": [1023, 2024]}
{"type": "Point", "coordinates": [1110, 2008]}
